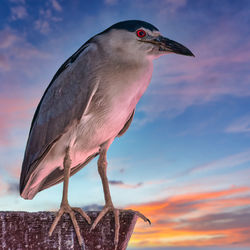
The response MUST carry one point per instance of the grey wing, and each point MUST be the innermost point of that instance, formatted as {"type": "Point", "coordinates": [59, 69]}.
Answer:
{"type": "Point", "coordinates": [62, 104]}
{"type": "Point", "coordinates": [56, 176]}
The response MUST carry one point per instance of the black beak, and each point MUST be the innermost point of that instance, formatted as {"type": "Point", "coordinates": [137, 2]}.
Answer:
{"type": "Point", "coordinates": [172, 46]}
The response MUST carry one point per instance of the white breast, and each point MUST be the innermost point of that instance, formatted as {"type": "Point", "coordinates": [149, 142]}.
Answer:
{"type": "Point", "coordinates": [107, 120]}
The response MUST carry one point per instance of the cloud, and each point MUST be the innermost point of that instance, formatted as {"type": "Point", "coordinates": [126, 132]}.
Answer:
{"type": "Point", "coordinates": [17, 54]}
{"type": "Point", "coordinates": [227, 162]}
{"type": "Point", "coordinates": [241, 125]}
{"type": "Point", "coordinates": [3, 132]}
{"type": "Point", "coordinates": [163, 7]}
{"type": "Point", "coordinates": [206, 182]}
{"type": "Point", "coordinates": [121, 184]}
{"type": "Point", "coordinates": [3, 187]}
{"type": "Point", "coordinates": [18, 1]}
{"type": "Point", "coordinates": [56, 5]}
{"type": "Point", "coordinates": [173, 5]}
{"type": "Point", "coordinates": [197, 219]}
{"type": "Point", "coordinates": [184, 204]}
{"type": "Point", "coordinates": [93, 207]}
{"type": "Point", "coordinates": [47, 18]}
{"type": "Point", "coordinates": [219, 221]}
{"type": "Point", "coordinates": [110, 2]}
{"type": "Point", "coordinates": [21, 67]}
{"type": "Point", "coordinates": [43, 26]}
{"type": "Point", "coordinates": [4, 63]}
{"type": "Point", "coordinates": [8, 185]}
{"type": "Point", "coordinates": [15, 111]}
{"type": "Point", "coordinates": [18, 12]}
{"type": "Point", "coordinates": [13, 187]}
{"type": "Point", "coordinates": [11, 169]}
{"type": "Point", "coordinates": [218, 70]}
{"type": "Point", "coordinates": [7, 38]}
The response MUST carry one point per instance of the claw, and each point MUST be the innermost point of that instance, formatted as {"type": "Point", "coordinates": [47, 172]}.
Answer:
{"type": "Point", "coordinates": [99, 217]}
{"type": "Point", "coordinates": [143, 217]}
{"type": "Point", "coordinates": [149, 222]}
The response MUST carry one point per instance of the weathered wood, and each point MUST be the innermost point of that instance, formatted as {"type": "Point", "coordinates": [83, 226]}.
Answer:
{"type": "Point", "coordinates": [24, 230]}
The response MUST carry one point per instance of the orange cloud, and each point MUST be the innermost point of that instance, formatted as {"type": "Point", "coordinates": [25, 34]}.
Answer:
{"type": "Point", "coordinates": [200, 219]}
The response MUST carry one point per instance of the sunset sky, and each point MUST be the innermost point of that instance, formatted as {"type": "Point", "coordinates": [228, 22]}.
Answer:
{"type": "Point", "coordinates": [185, 160]}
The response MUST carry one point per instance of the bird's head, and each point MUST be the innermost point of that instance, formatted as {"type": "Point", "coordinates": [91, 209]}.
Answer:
{"type": "Point", "coordinates": [134, 37]}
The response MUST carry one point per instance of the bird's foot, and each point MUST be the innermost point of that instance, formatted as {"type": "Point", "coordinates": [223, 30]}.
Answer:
{"type": "Point", "coordinates": [66, 208]}
{"type": "Point", "coordinates": [116, 212]}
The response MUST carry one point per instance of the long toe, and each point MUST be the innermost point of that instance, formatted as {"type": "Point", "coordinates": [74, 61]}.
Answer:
{"type": "Point", "coordinates": [56, 220]}
{"type": "Point", "coordinates": [116, 212]}
{"type": "Point", "coordinates": [77, 229]}
{"type": "Point", "coordinates": [99, 217]}
{"type": "Point", "coordinates": [82, 213]}
{"type": "Point", "coordinates": [65, 208]}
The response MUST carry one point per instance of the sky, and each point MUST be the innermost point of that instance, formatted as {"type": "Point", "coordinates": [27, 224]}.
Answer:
{"type": "Point", "coordinates": [185, 160]}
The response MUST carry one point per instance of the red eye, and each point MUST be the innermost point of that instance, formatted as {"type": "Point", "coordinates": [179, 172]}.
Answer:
{"type": "Point", "coordinates": [140, 33]}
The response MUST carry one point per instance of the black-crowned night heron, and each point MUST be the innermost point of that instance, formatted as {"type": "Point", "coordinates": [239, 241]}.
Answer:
{"type": "Point", "coordinates": [90, 101]}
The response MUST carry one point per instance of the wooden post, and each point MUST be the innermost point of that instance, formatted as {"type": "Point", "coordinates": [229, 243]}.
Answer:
{"type": "Point", "coordinates": [24, 230]}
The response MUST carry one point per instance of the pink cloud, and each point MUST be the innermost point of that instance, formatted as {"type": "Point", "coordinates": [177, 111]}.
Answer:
{"type": "Point", "coordinates": [3, 187]}
{"type": "Point", "coordinates": [27, 51]}
{"type": "Point", "coordinates": [165, 7]}
{"type": "Point", "coordinates": [21, 66]}
{"type": "Point", "coordinates": [181, 82]}
{"type": "Point", "coordinates": [4, 63]}
{"type": "Point", "coordinates": [15, 112]}
{"type": "Point", "coordinates": [17, 1]}
{"type": "Point", "coordinates": [13, 169]}
{"type": "Point", "coordinates": [110, 2]}
{"type": "Point", "coordinates": [47, 18]}
{"type": "Point", "coordinates": [7, 38]}
{"type": "Point", "coordinates": [226, 162]}
{"type": "Point", "coordinates": [18, 12]}
{"type": "Point", "coordinates": [173, 5]}
{"type": "Point", "coordinates": [17, 54]}
{"type": "Point", "coordinates": [3, 129]}
{"type": "Point", "coordinates": [56, 5]}
{"type": "Point", "coordinates": [206, 181]}
{"type": "Point", "coordinates": [241, 125]}
{"type": "Point", "coordinates": [43, 26]}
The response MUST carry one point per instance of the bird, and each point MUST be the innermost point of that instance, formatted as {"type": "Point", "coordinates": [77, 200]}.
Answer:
{"type": "Point", "coordinates": [89, 102]}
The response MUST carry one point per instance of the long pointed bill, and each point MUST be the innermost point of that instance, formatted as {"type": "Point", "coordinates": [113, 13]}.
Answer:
{"type": "Point", "coordinates": [172, 46]}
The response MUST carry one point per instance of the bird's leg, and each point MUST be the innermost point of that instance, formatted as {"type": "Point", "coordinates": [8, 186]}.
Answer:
{"type": "Point", "coordinates": [102, 169]}
{"type": "Point", "coordinates": [65, 207]}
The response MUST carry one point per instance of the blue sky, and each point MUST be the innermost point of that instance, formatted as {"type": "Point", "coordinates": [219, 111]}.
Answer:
{"type": "Point", "coordinates": [189, 141]}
